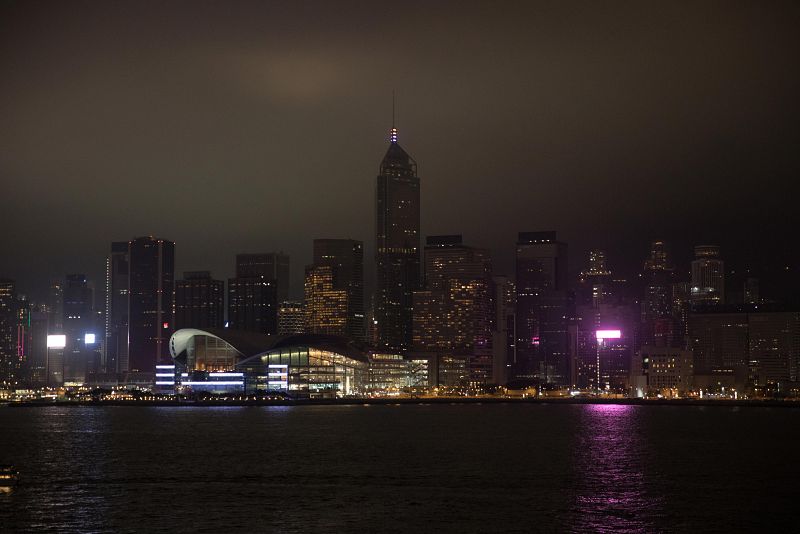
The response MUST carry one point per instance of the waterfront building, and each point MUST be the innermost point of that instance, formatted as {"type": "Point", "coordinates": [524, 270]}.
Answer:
{"type": "Point", "coordinates": [151, 264]}
{"type": "Point", "coordinates": [116, 316]}
{"type": "Point", "coordinates": [79, 321]}
{"type": "Point", "coordinates": [397, 254]}
{"type": "Point", "coordinates": [666, 371]}
{"type": "Point", "coordinates": [303, 365]}
{"type": "Point", "coordinates": [9, 361]}
{"type": "Point", "coordinates": [656, 303]}
{"type": "Point", "coordinates": [199, 301]}
{"type": "Point", "coordinates": [454, 312]}
{"type": "Point", "coordinates": [542, 344]}
{"type": "Point", "coordinates": [504, 297]}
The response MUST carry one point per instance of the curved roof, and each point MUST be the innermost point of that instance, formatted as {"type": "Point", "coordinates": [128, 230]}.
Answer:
{"type": "Point", "coordinates": [250, 344]}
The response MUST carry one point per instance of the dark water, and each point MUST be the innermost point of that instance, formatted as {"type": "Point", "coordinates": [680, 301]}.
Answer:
{"type": "Point", "coordinates": [465, 468]}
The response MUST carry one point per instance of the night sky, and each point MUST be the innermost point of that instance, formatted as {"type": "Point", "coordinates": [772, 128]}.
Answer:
{"type": "Point", "coordinates": [247, 127]}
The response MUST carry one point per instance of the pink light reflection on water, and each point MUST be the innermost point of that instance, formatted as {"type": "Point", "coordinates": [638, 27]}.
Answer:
{"type": "Point", "coordinates": [608, 464]}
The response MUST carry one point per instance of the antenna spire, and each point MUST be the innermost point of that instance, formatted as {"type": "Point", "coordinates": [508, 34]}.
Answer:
{"type": "Point", "coordinates": [393, 131]}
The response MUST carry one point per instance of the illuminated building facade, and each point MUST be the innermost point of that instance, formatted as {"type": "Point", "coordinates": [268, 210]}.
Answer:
{"type": "Point", "coordinates": [345, 257]}
{"type": "Point", "coordinates": [291, 318]}
{"type": "Point", "coordinates": [708, 276]}
{"type": "Point", "coordinates": [454, 312]}
{"type": "Point", "coordinates": [542, 343]}
{"type": "Point", "coordinates": [305, 365]}
{"type": "Point", "coordinates": [667, 371]}
{"type": "Point", "coordinates": [397, 253]}
{"type": "Point", "coordinates": [326, 308]}
{"type": "Point", "coordinates": [199, 301]}
{"type": "Point", "coordinates": [9, 360]}
{"type": "Point", "coordinates": [151, 289]}
{"type": "Point", "coordinates": [504, 303]}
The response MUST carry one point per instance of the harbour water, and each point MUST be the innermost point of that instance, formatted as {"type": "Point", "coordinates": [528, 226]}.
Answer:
{"type": "Point", "coordinates": [404, 468]}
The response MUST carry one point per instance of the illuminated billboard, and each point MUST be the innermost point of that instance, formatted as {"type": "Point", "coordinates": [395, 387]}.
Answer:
{"type": "Point", "coordinates": [89, 339]}
{"type": "Point", "coordinates": [56, 341]}
{"type": "Point", "coordinates": [608, 334]}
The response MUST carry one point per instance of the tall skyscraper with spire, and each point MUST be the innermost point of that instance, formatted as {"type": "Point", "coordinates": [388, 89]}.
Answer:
{"type": "Point", "coordinates": [397, 252]}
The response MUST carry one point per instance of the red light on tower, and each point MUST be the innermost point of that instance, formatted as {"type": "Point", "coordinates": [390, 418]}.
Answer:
{"type": "Point", "coordinates": [166, 325]}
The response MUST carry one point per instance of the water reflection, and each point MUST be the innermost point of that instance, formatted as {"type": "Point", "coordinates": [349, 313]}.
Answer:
{"type": "Point", "coordinates": [610, 483]}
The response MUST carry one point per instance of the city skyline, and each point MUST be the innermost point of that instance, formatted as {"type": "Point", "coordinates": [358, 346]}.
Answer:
{"type": "Point", "coordinates": [572, 132]}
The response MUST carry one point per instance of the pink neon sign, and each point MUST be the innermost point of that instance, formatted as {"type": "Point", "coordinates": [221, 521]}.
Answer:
{"type": "Point", "coordinates": [608, 334]}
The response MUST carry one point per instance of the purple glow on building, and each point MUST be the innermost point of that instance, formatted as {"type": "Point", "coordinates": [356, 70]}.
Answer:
{"type": "Point", "coordinates": [608, 334]}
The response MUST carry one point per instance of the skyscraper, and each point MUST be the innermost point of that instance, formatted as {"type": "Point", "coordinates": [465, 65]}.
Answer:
{"type": "Point", "coordinates": [542, 308]}
{"type": "Point", "coordinates": [253, 294]}
{"type": "Point", "coordinates": [9, 362]}
{"type": "Point", "coordinates": [708, 276]}
{"type": "Point", "coordinates": [271, 266]}
{"type": "Point", "coordinates": [150, 296]}
{"type": "Point", "coordinates": [116, 317]}
{"type": "Point", "coordinates": [79, 320]}
{"type": "Point", "coordinates": [453, 313]}
{"type": "Point", "coordinates": [199, 301]}
{"type": "Point", "coordinates": [397, 246]}
{"type": "Point", "coordinates": [658, 325]}
{"type": "Point", "coordinates": [345, 257]}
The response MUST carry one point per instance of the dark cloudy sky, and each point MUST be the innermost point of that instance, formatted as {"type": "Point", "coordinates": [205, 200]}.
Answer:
{"type": "Point", "coordinates": [256, 126]}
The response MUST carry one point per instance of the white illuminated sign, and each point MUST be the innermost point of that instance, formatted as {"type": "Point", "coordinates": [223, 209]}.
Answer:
{"type": "Point", "coordinates": [56, 341]}
{"type": "Point", "coordinates": [88, 339]}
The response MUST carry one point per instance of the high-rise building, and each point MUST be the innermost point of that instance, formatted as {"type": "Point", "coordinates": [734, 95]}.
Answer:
{"type": "Point", "coordinates": [253, 294]}
{"type": "Point", "coordinates": [542, 308]}
{"type": "Point", "coordinates": [291, 318]}
{"type": "Point", "coordinates": [454, 311]}
{"type": "Point", "coordinates": [55, 307]}
{"type": "Point", "coordinates": [37, 363]}
{"type": "Point", "coordinates": [595, 282]}
{"type": "Point", "coordinates": [345, 257]}
{"type": "Point", "coordinates": [199, 301]}
{"type": "Point", "coordinates": [708, 276]}
{"type": "Point", "coordinates": [270, 266]}
{"type": "Point", "coordinates": [9, 360]}
{"type": "Point", "coordinates": [79, 322]}
{"type": "Point", "coordinates": [150, 298]}
{"type": "Point", "coordinates": [325, 306]}
{"type": "Point", "coordinates": [116, 316]}
{"type": "Point", "coordinates": [658, 325]}
{"type": "Point", "coordinates": [504, 301]}
{"type": "Point", "coordinates": [397, 246]}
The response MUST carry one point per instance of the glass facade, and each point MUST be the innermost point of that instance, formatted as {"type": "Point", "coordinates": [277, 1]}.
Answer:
{"type": "Point", "coordinates": [306, 372]}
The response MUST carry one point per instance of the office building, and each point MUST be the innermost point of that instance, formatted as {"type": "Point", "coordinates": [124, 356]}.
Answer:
{"type": "Point", "coordinates": [253, 294]}
{"type": "Point", "coordinates": [9, 360]}
{"type": "Point", "coordinates": [151, 286]}
{"type": "Point", "coordinates": [667, 371]}
{"type": "Point", "coordinates": [291, 318]}
{"type": "Point", "coordinates": [454, 312]}
{"type": "Point", "coordinates": [542, 308]}
{"type": "Point", "coordinates": [397, 253]}
{"type": "Point", "coordinates": [116, 316]}
{"type": "Point", "coordinates": [199, 301]}
{"type": "Point", "coordinates": [326, 308]}
{"type": "Point", "coordinates": [708, 277]}
{"type": "Point", "coordinates": [345, 257]}
{"type": "Point", "coordinates": [270, 266]}
{"type": "Point", "coordinates": [79, 321]}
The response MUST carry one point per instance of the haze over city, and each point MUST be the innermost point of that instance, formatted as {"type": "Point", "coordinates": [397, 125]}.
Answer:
{"type": "Point", "coordinates": [236, 127]}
